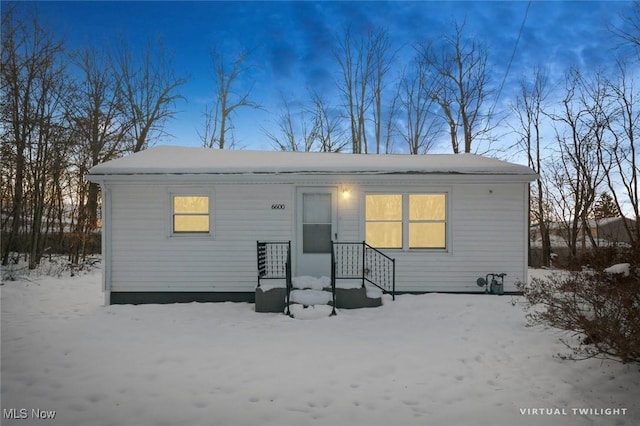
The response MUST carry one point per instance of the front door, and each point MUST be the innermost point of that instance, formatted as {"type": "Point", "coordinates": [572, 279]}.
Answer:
{"type": "Point", "coordinates": [316, 227]}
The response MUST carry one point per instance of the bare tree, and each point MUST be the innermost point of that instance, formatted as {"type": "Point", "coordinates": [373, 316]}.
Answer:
{"type": "Point", "coordinates": [355, 64]}
{"type": "Point", "coordinates": [100, 131]}
{"type": "Point", "coordinates": [149, 90]}
{"type": "Point", "coordinates": [579, 128]}
{"type": "Point", "coordinates": [620, 156]}
{"type": "Point", "coordinates": [329, 133]}
{"type": "Point", "coordinates": [629, 30]}
{"type": "Point", "coordinates": [297, 133]}
{"type": "Point", "coordinates": [312, 128]}
{"type": "Point", "coordinates": [32, 114]}
{"type": "Point", "coordinates": [18, 78]}
{"type": "Point", "coordinates": [218, 119]}
{"type": "Point", "coordinates": [619, 152]}
{"type": "Point", "coordinates": [210, 133]}
{"type": "Point", "coordinates": [383, 59]}
{"type": "Point", "coordinates": [462, 86]}
{"type": "Point", "coordinates": [528, 110]}
{"type": "Point", "coordinates": [417, 100]}
{"type": "Point", "coordinates": [364, 62]}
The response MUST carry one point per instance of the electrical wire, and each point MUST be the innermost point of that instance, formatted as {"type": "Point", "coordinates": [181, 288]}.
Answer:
{"type": "Point", "coordinates": [513, 54]}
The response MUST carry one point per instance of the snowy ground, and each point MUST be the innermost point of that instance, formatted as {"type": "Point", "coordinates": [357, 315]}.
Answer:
{"type": "Point", "coordinates": [421, 360]}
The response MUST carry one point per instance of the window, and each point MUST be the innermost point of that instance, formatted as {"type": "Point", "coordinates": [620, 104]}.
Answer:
{"type": "Point", "coordinates": [190, 214]}
{"type": "Point", "coordinates": [384, 220]}
{"type": "Point", "coordinates": [427, 221]}
{"type": "Point", "coordinates": [316, 223]}
{"type": "Point", "coordinates": [409, 221]}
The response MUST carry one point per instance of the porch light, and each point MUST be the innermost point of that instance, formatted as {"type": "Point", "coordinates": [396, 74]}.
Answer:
{"type": "Point", "coordinates": [346, 193]}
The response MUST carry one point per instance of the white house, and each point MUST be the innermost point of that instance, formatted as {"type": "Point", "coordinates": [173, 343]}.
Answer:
{"type": "Point", "coordinates": [181, 224]}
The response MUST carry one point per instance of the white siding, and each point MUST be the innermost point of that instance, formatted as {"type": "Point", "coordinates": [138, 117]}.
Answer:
{"type": "Point", "coordinates": [486, 235]}
{"type": "Point", "coordinates": [349, 215]}
{"type": "Point", "coordinates": [486, 223]}
{"type": "Point", "coordinates": [146, 257]}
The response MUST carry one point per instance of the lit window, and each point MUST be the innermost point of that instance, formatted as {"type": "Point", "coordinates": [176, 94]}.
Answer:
{"type": "Point", "coordinates": [191, 214]}
{"type": "Point", "coordinates": [427, 221]}
{"type": "Point", "coordinates": [384, 220]}
{"type": "Point", "coordinates": [410, 221]}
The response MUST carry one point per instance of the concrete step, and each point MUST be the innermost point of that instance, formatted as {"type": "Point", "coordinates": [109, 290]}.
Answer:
{"type": "Point", "coordinates": [272, 299]}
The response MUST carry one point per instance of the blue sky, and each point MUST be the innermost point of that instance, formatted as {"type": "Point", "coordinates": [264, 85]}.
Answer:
{"type": "Point", "coordinates": [293, 41]}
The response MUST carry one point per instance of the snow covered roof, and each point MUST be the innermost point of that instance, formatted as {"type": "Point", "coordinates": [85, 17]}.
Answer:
{"type": "Point", "coordinates": [167, 160]}
{"type": "Point", "coordinates": [592, 223]}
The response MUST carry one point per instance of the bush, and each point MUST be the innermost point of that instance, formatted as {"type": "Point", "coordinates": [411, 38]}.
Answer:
{"type": "Point", "coordinates": [599, 310]}
{"type": "Point", "coordinates": [601, 257]}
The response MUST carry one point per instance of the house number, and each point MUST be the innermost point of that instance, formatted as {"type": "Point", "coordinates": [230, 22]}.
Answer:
{"type": "Point", "coordinates": [277, 206]}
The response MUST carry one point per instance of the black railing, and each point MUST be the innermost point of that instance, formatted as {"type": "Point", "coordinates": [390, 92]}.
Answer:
{"type": "Point", "coordinates": [333, 281]}
{"type": "Point", "coordinates": [360, 261]}
{"type": "Point", "coordinates": [274, 263]}
{"type": "Point", "coordinates": [289, 281]}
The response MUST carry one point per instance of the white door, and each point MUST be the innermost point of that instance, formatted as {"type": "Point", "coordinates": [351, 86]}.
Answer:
{"type": "Point", "coordinates": [316, 226]}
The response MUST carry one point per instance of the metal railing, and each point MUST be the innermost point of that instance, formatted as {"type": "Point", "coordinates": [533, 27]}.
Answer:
{"type": "Point", "coordinates": [333, 281]}
{"type": "Point", "coordinates": [274, 263]}
{"type": "Point", "coordinates": [360, 261]}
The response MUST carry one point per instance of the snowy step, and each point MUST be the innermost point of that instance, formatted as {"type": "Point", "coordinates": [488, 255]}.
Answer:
{"type": "Point", "coordinates": [308, 282]}
{"type": "Point", "coordinates": [310, 304]}
{"type": "Point", "coordinates": [311, 297]}
{"type": "Point", "coordinates": [310, 312]}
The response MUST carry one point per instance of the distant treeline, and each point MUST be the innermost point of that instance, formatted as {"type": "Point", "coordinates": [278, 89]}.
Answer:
{"type": "Point", "coordinates": [63, 112]}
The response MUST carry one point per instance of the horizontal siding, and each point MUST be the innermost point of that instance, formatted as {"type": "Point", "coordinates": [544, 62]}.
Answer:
{"type": "Point", "coordinates": [487, 234]}
{"type": "Point", "coordinates": [146, 257]}
{"type": "Point", "coordinates": [349, 213]}
{"type": "Point", "coordinates": [486, 223]}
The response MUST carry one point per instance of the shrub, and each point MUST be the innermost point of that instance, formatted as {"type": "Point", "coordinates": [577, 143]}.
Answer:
{"type": "Point", "coordinates": [601, 257]}
{"type": "Point", "coordinates": [599, 310]}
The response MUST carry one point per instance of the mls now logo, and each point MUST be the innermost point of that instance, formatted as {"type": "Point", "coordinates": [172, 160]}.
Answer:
{"type": "Point", "coordinates": [15, 413]}
{"type": "Point", "coordinates": [23, 413]}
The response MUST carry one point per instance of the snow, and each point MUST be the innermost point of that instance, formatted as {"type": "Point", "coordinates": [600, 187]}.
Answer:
{"type": "Point", "coordinates": [270, 284]}
{"type": "Point", "coordinates": [319, 283]}
{"type": "Point", "coordinates": [542, 273]}
{"type": "Point", "coordinates": [314, 283]}
{"type": "Point", "coordinates": [419, 360]}
{"type": "Point", "coordinates": [311, 297]}
{"type": "Point", "coordinates": [373, 292]}
{"type": "Point", "coordinates": [620, 268]}
{"type": "Point", "coordinates": [306, 312]}
{"type": "Point", "coordinates": [189, 160]}
{"type": "Point", "coordinates": [349, 283]}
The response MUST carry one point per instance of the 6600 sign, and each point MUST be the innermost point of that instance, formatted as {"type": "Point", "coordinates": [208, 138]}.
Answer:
{"type": "Point", "coordinates": [277, 206]}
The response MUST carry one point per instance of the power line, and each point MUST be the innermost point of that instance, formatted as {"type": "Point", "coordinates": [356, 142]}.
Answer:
{"type": "Point", "coordinates": [513, 54]}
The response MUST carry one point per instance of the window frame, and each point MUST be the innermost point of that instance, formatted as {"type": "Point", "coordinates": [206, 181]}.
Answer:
{"type": "Point", "coordinates": [190, 192]}
{"type": "Point", "coordinates": [406, 221]}
{"type": "Point", "coordinates": [425, 221]}
{"type": "Point", "coordinates": [392, 221]}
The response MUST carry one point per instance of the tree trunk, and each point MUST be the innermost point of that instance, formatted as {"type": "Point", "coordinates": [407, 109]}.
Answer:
{"type": "Point", "coordinates": [544, 230]}
{"type": "Point", "coordinates": [13, 236]}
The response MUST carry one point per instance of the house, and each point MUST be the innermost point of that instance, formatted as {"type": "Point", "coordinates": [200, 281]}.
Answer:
{"type": "Point", "coordinates": [181, 224]}
{"type": "Point", "coordinates": [606, 232]}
